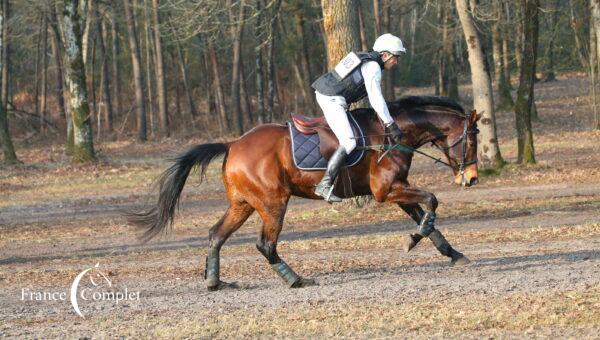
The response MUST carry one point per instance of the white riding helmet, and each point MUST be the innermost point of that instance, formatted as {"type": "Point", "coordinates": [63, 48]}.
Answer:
{"type": "Point", "coordinates": [389, 43]}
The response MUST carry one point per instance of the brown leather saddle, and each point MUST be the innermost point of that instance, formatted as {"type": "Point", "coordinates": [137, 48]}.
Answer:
{"type": "Point", "coordinates": [314, 133]}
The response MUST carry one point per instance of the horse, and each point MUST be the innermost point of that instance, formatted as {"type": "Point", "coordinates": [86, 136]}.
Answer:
{"type": "Point", "coordinates": [259, 174]}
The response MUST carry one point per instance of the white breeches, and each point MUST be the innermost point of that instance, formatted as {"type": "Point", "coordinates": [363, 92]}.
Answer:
{"type": "Point", "coordinates": [334, 109]}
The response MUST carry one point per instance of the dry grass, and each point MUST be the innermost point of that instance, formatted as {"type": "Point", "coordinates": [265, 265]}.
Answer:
{"type": "Point", "coordinates": [573, 313]}
{"type": "Point", "coordinates": [442, 316]}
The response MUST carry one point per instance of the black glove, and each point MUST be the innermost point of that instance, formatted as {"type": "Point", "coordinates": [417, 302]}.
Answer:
{"type": "Point", "coordinates": [395, 132]}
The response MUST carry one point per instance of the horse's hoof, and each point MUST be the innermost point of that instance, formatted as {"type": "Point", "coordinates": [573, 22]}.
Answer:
{"type": "Point", "coordinates": [223, 286]}
{"type": "Point", "coordinates": [409, 243]}
{"type": "Point", "coordinates": [460, 261]}
{"type": "Point", "coordinates": [303, 282]}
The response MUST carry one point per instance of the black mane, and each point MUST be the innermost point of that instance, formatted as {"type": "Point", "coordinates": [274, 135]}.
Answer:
{"type": "Point", "coordinates": [411, 102]}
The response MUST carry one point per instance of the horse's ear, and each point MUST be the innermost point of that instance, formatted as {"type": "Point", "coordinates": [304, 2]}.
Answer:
{"type": "Point", "coordinates": [474, 117]}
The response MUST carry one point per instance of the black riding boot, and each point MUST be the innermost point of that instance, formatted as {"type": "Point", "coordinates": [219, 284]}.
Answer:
{"type": "Point", "coordinates": [325, 187]}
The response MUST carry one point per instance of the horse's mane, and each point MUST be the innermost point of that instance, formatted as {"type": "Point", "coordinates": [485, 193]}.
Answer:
{"type": "Point", "coordinates": [412, 102]}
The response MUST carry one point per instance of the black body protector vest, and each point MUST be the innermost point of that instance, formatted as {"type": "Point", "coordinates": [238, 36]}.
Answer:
{"type": "Point", "coordinates": [346, 79]}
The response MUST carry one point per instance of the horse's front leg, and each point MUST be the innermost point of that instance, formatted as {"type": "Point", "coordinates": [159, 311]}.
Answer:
{"type": "Point", "coordinates": [409, 198]}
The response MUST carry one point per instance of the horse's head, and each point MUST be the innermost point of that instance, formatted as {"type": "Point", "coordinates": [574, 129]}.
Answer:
{"type": "Point", "coordinates": [460, 147]}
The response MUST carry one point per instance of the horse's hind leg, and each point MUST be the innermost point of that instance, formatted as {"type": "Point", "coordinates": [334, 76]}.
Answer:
{"type": "Point", "coordinates": [235, 216]}
{"type": "Point", "coordinates": [272, 215]}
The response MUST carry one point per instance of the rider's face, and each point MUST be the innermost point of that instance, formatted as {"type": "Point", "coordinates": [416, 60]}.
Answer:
{"type": "Point", "coordinates": [390, 60]}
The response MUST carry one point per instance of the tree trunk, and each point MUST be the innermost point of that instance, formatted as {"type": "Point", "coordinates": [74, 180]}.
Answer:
{"type": "Point", "coordinates": [413, 33]}
{"type": "Point", "coordinates": [548, 74]}
{"type": "Point", "coordinates": [489, 152]}
{"type": "Point", "coordinates": [340, 20]}
{"type": "Point", "coordinates": [220, 98]}
{"type": "Point", "coordinates": [6, 55]}
{"type": "Point", "coordinates": [505, 101]}
{"type": "Point", "coordinates": [86, 8]}
{"type": "Point", "coordinates": [376, 16]}
{"type": "Point", "coordinates": [518, 36]}
{"type": "Point", "coordinates": [592, 71]}
{"type": "Point", "coordinates": [363, 32]}
{"type": "Point", "coordinates": [44, 73]}
{"type": "Point", "coordinates": [36, 76]}
{"type": "Point", "coordinates": [184, 79]}
{"type": "Point", "coordinates": [116, 70]}
{"type": "Point", "coordinates": [309, 98]}
{"type": "Point", "coordinates": [237, 30]}
{"type": "Point", "coordinates": [61, 88]}
{"type": "Point", "coordinates": [83, 148]}
{"type": "Point", "coordinates": [55, 45]}
{"type": "Point", "coordinates": [246, 108]}
{"type": "Point", "coordinates": [138, 76]}
{"type": "Point", "coordinates": [5, 141]}
{"type": "Point", "coordinates": [271, 75]}
{"type": "Point", "coordinates": [523, 105]}
{"type": "Point", "coordinates": [576, 26]}
{"type": "Point", "coordinates": [150, 61]}
{"type": "Point", "coordinates": [161, 83]}
{"type": "Point", "coordinates": [390, 76]}
{"type": "Point", "coordinates": [105, 105]}
{"type": "Point", "coordinates": [505, 44]}
{"type": "Point", "coordinates": [258, 63]}
{"type": "Point", "coordinates": [92, 76]}
{"type": "Point", "coordinates": [595, 56]}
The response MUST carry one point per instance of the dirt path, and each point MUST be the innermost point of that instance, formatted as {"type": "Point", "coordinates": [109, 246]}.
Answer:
{"type": "Point", "coordinates": [356, 268]}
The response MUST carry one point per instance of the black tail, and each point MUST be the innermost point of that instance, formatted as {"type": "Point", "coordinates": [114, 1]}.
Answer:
{"type": "Point", "coordinates": [170, 185]}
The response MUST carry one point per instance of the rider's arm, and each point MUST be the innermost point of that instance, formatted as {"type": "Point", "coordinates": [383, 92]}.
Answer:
{"type": "Point", "coordinates": [372, 75]}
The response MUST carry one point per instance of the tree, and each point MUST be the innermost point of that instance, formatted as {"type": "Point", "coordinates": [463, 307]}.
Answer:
{"type": "Point", "coordinates": [5, 140]}
{"type": "Point", "coordinates": [83, 147]}
{"type": "Point", "coordinates": [161, 85]}
{"type": "Point", "coordinates": [105, 104]}
{"type": "Point", "coordinates": [340, 21]}
{"type": "Point", "coordinates": [524, 103]}
{"type": "Point", "coordinates": [116, 69]}
{"type": "Point", "coordinates": [138, 77]}
{"type": "Point", "coordinates": [505, 99]}
{"type": "Point", "coordinates": [554, 11]}
{"type": "Point", "coordinates": [489, 152]}
{"type": "Point", "coordinates": [595, 57]}
{"type": "Point", "coordinates": [237, 29]}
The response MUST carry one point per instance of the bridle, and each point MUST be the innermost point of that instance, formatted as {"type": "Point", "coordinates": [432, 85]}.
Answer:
{"type": "Point", "coordinates": [460, 167]}
{"type": "Point", "coordinates": [462, 139]}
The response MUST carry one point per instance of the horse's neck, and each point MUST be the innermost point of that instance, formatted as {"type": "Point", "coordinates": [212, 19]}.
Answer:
{"type": "Point", "coordinates": [426, 127]}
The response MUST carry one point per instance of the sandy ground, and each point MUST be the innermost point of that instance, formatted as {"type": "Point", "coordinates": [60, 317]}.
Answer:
{"type": "Point", "coordinates": [533, 236]}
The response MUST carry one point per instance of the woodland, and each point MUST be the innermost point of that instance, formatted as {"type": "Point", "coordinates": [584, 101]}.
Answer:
{"type": "Point", "coordinates": [85, 72]}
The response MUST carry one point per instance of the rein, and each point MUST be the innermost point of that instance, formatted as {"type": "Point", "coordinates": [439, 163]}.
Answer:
{"type": "Point", "coordinates": [409, 149]}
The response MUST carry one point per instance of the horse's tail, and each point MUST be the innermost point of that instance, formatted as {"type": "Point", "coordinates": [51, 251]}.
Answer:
{"type": "Point", "coordinates": [170, 184]}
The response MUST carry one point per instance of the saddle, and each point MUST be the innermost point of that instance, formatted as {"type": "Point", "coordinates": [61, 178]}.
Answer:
{"type": "Point", "coordinates": [313, 142]}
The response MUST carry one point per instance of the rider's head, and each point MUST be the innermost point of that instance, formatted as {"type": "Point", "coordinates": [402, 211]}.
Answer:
{"type": "Point", "coordinates": [389, 47]}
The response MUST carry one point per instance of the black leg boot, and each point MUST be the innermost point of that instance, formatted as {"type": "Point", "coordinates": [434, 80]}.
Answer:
{"type": "Point", "coordinates": [325, 187]}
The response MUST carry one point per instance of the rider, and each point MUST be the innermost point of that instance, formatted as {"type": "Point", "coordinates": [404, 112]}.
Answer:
{"type": "Point", "coordinates": [356, 76]}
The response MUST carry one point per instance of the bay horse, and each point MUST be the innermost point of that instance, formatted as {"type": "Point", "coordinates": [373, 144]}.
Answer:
{"type": "Point", "coordinates": [259, 174]}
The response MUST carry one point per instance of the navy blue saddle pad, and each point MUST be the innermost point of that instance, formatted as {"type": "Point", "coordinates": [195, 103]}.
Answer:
{"type": "Point", "coordinates": [307, 154]}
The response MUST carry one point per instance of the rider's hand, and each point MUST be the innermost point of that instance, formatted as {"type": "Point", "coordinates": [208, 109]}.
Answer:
{"type": "Point", "coordinates": [395, 132]}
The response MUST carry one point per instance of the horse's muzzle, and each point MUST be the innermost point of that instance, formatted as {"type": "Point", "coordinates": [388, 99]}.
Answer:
{"type": "Point", "coordinates": [469, 178]}
{"type": "Point", "coordinates": [472, 181]}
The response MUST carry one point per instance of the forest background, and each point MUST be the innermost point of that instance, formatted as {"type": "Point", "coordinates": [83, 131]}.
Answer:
{"type": "Point", "coordinates": [86, 72]}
